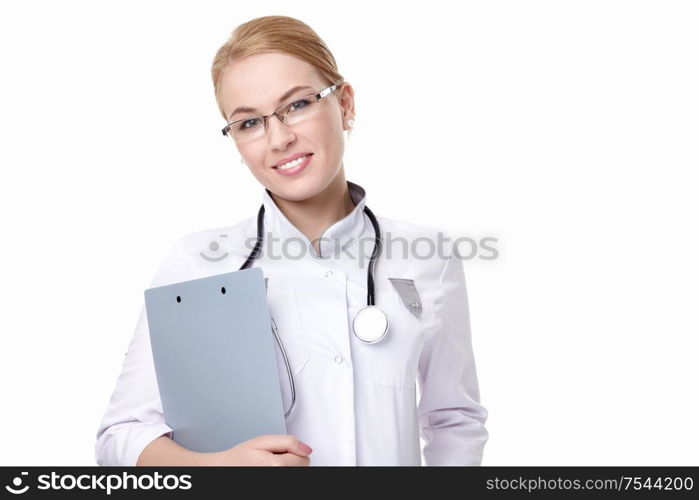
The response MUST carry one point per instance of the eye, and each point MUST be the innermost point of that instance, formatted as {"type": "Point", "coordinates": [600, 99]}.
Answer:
{"type": "Point", "coordinates": [300, 104]}
{"type": "Point", "coordinates": [248, 124]}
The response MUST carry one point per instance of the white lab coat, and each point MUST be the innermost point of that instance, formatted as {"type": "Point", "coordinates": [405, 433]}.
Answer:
{"type": "Point", "coordinates": [356, 403]}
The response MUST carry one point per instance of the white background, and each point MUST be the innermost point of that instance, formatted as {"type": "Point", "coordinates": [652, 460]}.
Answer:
{"type": "Point", "coordinates": [567, 130]}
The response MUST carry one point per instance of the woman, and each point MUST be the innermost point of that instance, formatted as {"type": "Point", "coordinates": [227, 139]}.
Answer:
{"type": "Point", "coordinates": [286, 109]}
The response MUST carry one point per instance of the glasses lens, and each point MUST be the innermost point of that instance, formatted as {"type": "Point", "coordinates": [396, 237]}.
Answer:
{"type": "Point", "coordinates": [247, 129]}
{"type": "Point", "coordinates": [299, 109]}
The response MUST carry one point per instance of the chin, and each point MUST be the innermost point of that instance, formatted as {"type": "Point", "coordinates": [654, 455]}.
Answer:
{"type": "Point", "coordinates": [299, 189]}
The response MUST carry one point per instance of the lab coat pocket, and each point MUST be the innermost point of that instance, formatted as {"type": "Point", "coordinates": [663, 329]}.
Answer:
{"type": "Point", "coordinates": [394, 360]}
{"type": "Point", "coordinates": [283, 307]}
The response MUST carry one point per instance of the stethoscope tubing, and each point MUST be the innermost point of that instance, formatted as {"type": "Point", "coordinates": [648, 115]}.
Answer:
{"type": "Point", "coordinates": [255, 253]}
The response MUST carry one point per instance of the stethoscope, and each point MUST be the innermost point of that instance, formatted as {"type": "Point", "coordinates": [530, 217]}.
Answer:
{"type": "Point", "coordinates": [370, 323]}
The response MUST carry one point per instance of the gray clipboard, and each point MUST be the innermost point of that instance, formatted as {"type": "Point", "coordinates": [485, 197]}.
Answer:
{"type": "Point", "coordinates": [213, 351]}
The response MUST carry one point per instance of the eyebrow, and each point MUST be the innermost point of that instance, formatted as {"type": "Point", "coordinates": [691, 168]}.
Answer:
{"type": "Point", "coordinates": [285, 95]}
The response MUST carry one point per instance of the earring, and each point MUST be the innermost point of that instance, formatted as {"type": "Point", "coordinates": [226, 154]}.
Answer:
{"type": "Point", "coordinates": [242, 161]}
{"type": "Point", "coordinates": [350, 122]}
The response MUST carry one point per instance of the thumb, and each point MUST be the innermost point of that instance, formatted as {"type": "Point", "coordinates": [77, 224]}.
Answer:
{"type": "Point", "coordinates": [305, 448]}
{"type": "Point", "coordinates": [284, 444]}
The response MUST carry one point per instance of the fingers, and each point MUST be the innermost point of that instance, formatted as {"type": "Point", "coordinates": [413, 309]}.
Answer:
{"type": "Point", "coordinates": [289, 460]}
{"type": "Point", "coordinates": [282, 443]}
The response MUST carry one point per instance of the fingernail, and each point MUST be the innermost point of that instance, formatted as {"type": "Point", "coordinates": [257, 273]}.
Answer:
{"type": "Point", "coordinates": [304, 447]}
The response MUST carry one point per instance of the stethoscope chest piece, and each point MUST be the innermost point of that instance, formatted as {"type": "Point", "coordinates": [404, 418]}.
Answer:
{"type": "Point", "coordinates": [370, 324]}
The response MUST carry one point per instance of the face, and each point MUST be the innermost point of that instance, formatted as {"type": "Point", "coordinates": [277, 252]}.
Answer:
{"type": "Point", "coordinates": [258, 82]}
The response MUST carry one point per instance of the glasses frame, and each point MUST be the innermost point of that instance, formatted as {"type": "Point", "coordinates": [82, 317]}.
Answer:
{"type": "Point", "coordinates": [318, 95]}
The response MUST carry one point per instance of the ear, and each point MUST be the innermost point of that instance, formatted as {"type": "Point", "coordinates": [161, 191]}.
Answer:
{"type": "Point", "coordinates": [347, 105]}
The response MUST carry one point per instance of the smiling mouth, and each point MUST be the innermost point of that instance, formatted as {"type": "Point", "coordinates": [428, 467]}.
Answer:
{"type": "Point", "coordinates": [293, 163]}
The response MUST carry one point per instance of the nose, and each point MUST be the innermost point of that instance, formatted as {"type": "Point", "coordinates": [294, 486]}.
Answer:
{"type": "Point", "coordinates": [280, 134]}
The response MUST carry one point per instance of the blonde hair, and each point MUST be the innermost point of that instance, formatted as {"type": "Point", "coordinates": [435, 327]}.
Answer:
{"type": "Point", "coordinates": [275, 34]}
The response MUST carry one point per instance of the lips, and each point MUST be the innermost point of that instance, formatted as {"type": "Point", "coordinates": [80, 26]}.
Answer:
{"type": "Point", "coordinates": [290, 158]}
{"type": "Point", "coordinates": [297, 166]}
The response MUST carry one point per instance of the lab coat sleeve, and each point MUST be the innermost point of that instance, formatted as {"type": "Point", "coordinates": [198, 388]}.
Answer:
{"type": "Point", "coordinates": [451, 418]}
{"type": "Point", "coordinates": [134, 415]}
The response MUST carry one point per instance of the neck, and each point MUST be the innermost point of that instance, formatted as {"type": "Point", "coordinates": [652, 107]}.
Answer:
{"type": "Point", "coordinates": [314, 215]}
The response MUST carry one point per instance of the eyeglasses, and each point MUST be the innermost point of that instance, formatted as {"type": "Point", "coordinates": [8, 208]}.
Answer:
{"type": "Point", "coordinates": [253, 127]}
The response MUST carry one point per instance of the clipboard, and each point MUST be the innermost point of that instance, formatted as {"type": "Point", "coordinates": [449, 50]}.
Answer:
{"type": "Point", "coordinates": [214, 358]}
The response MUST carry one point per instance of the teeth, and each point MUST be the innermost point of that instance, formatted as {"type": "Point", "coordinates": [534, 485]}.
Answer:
{"type": "Point", "coordinates": [292, 163]}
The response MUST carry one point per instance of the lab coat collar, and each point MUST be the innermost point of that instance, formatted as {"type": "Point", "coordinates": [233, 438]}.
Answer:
{"type": "Point", "coordinates": [339, 236]}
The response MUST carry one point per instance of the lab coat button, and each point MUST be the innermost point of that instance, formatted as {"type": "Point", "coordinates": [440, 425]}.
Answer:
{"type": "Point", "coordinates": [328, 274]}
{"type": "Point", "coordinates": [415, 305]}
{"type": "Point", "coordinates": [338, 359]}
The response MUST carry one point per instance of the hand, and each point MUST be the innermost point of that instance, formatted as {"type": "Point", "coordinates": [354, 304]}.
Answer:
{"type": "Point", "coordinates": [266, 450]}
